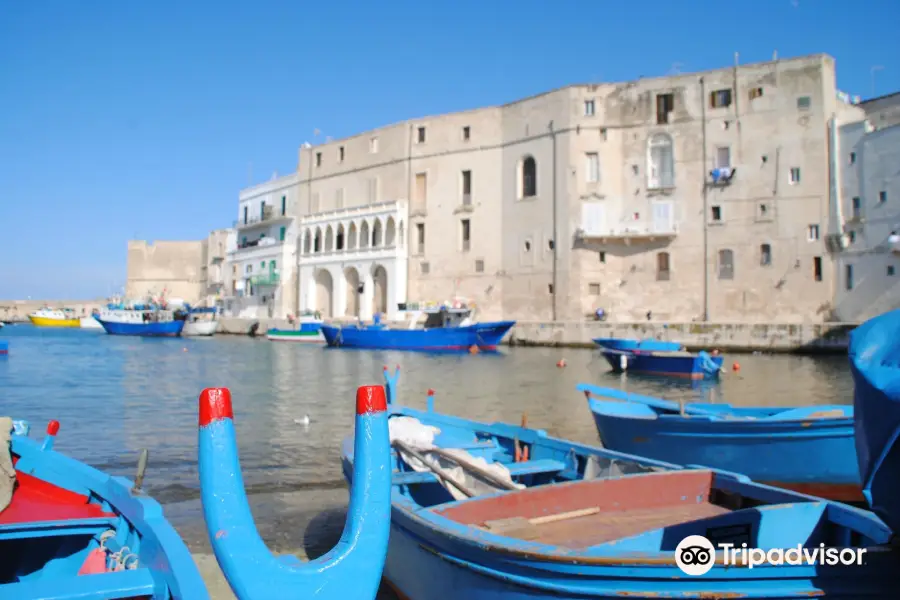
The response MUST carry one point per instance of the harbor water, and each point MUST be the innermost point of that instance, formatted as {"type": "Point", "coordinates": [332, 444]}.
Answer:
{"type": "Point", "coordinates": [115, 396]}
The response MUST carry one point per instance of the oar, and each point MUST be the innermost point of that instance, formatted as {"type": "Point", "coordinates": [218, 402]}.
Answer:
{"type": "Point", "coordinates": [439, 472]}
{"type": "Point", "coordinates": [467, 466]}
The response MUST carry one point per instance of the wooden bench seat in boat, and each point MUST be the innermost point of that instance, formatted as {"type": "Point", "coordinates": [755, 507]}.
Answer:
{"type": "Point", "coordinates": [581, 514]}
{"type": "Point", "coordinates": [531, 467]}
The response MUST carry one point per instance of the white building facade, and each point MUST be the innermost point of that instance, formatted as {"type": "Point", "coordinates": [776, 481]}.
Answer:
{"type": "Point", "coordinates": [263, 260]}
{"type": "Point", "coordinates": [353, 261]}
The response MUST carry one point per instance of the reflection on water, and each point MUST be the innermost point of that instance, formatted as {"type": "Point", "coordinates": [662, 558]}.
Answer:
{"type": "Point", "coordinates": [117, 395]}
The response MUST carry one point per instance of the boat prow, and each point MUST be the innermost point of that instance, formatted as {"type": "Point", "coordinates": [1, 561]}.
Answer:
{"type": "Point", "coordinates": [352, 569]}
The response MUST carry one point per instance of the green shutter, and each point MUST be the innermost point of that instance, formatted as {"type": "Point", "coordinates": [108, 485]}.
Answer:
{"type": "Point", "coordinates": [282, 232]}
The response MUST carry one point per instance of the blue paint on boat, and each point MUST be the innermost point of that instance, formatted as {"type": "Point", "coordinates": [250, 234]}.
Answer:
{"type": "Point", "coordinates": [686, 365]}
{"type": "Point", "coordinates": [161, 329]}
{"type": "Point", "coordinates": [808, 449]}
{"type": "Point", "coordinates": [352, 569]}
{"type": "Point", "coordinates": [875, 363]}
{"type": "Point", "coordinates": [489, 547]}
{"type": "Point", "coordinates": [4, 347]}
{"type": "Point", "coordinates": [650, 345]}
{"type": "Point", "coordinates": [72, 532]}
{"type": "Point", "coordinates": [486, 336]}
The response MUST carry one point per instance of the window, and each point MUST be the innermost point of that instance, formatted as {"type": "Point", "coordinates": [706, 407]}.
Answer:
{"type": "Point", "coordinates": [262, 211]}
{"type": "Point", "coordinates": [373, 145]}
{"type": "Point", "coordinates": [662, 266]}
{"type": "Point", "coordinates": [755, 93]}
{"type": "Point", "coordinates": [281, 233]}
{"type": "Point", "coordinates": [421, 135]}
{"type": "Point", "coordinates": [529, 177]}
{"type": "Point", "coordinates": [283, 205]}
{"type": "Point", "coordinates": [601, 256]}
{"type": "Point", "coordinates": [852, 237]}
{"type": "Point", "coordinates": [763, 210]}
{"type": "Point", "coordinates": [339, 198]}
{"type": "Point", "coordinates": [466, 133]}
{"type": "Point", "coordinates": [245, 215]}
{"type": "Point", "coordinates": [803, 103]}
{"type": "Point", "coordinates": [550, 288]}
{"type": "Point", "coordinates": [794, 177]}
{"type": "Point", "coordinates": [421, 190]}
{"type": "Point", "coordinates": [726, 264]}
{"type": "Point", "coordinates": [720, 98]}
{"type": "Point", "coordinates": [857, 207]}
{"type": "Point", "coordinates": [716, 214]}
{"type": "Point", "coordinates": [589, 108]}
{"type": "Point", "coordinates": [465, 231]}
{"type": "Point", "coordinates": [551, 245]}
{"type": "Point", "coordinates": [420, 238]}
{"type": "Point", "coordinates": [665, 103]}
{"type": "Point", "coordinates": [318, 159]}
{"type": "Point", "coordinates": [812, 233]}
{"type": "Point", "coordinates": [848, 277]}
{"type": "Point", "coordinates": [592, 167]}
{"type": "Point", "coordinates": [660, 162]}
{"type": "Point", "coordinates": [765, 255]}
{"type": "Point", "coordinates": [341, 154]}
{"type": "Point", "coordinates": [594, 289]}
{"type": "Point", "coordinates": [853, 158]}
{"type": "Point", "coordinates": [882, 197]}
{"type": "Point", "coordinates": [479, 266]}
{"type": "Point", "coordinates": [817, 268]}
{"type": "Point", "coordinates": [890, 270]}
{"type": "Point", "coordinates": [425, 268]}
{"type": "Point", "coordinates": [723, 157]}
{"type": "Point", "coordinates": [467, 188]}
{"type": "Point", "coordinates": [527, 246]}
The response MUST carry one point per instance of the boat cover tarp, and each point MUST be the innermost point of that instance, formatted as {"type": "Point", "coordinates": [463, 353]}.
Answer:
{"type": "Point", "coordinates": [875, 364]}
{"type": "Point", "coordinates": [7, 470]}
{"type": "Point", "coordinates": [419, 436]}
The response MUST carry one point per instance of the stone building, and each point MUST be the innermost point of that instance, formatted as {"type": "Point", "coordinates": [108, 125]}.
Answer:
{"type": "Point", "coordinates": [705, 195]}
{"type": "Point", "coordinates": [174, 267]}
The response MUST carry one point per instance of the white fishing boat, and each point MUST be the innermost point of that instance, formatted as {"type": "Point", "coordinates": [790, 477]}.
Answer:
{"type": "Point", "coordinates": [198, 324]}
{"type": "Point", "coordinates": [91, 322]}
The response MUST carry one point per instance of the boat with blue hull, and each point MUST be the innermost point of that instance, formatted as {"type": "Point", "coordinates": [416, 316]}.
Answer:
{"type": "Point", "coordinates": [68, 531]}
{"type": "Point", "coordinates": [809, 449]}
{"type": "Point", "coordinates": [4, 348]}
{"type": "Point", "coordinates": [143, 321]}
{"type": "Point", "coordinates": [648, 344]}
{"type": "Point", "coordinates": [494, 511]}
{"type": "Point", "coordinates": [875, 364]}
{"type": "Point", "coordinates": [352, 569]}
{"type": "Point", "coordinates": [307, 329]}
{"type": "Point", "coordinates": [680, 364]}
{"type": "Point", "coordinates": [445, 330]}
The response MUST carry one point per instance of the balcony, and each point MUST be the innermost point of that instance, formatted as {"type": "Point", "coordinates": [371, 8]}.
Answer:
{"type": "Point", "coordinates": [628, 234]}
{"type": "Point", "coordinates": [268, 216]}
{"type": "Point", "coordinates": [721, 177]}
{"type": "Point", "coordinates": [263, 247]}
{"type": "Point", "coordinates": [270, 279]}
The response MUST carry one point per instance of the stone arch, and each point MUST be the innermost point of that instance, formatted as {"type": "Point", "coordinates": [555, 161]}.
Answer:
{"type": "Point", "coordinates": [329, 239]}
{"type": "Point", "coordinates": [340, 238]}
{"type": "Point", "coordinates": [307, 241]}
{"type": "Point", "coordinates": [377, 234]}
{"type": "Point", "coordinates": [352, 236]}
{"type": "Point", "coordinates": [390, 233]}
{"type": "Point", "coordinates": [317, 241]}
{"type": "Point", "coordinates": [364, 237]}
{"type": "Point", "coordinates": [351, 276]}
{"type": "Point", "coordinates": [380, 289]}
{"type": "Point", "coordinates": [325, 293]}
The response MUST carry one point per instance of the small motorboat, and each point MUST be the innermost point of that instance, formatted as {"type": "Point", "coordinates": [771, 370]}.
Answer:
{"type": "Point", "coordinates": [486, 511]}
{"type": "Point", "coordinates": [307, 329]}
{"type": "Point", "coordinates": [809, 449]}
{"type": "Point", "coordinates": [70, 532]}
{"type": "Point", "coordinates": [667, 363]}
{"type": "Point", "coordinates": [650, 344]}
{"type": "Point", "coordinates": [352, 569]}
{"type": "Point", "coordinates": [201, 321]}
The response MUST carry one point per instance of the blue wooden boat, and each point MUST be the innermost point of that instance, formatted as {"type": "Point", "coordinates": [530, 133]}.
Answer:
{"type": "Point", "coordinates": [648, 344]}
{"type": "Point", "coordinates": [808, 449]}
{"type": "Point", "coordinates": [445, 330]}
{"type": "Point", "coordinates": [352, 569]}
{"type": "Point", "coordinates": [875, 363]}
{"type": "Point", "coordinates": [71, 532]}
{"type": "Point", "coordinates": [686, 365]}
{"type": "Point", "coordinates": [144, 322]}
{"type": "Point", "coordinates": [489, 511]}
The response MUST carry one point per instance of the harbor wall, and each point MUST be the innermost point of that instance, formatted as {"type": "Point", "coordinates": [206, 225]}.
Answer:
{"type": "Point", "coordinates": [727, 337]}
{"type": "Point", "coordinates": [17, 311]}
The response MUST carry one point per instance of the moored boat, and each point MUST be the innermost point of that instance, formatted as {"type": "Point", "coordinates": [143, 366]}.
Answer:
{"type": "Point", "coordinates": [445, 330]}
{"type": "Point", "coordinates": [636, 344]}
{"type": "Point", "coordinates": [4, 348]}
{"type": "Point", "coordinates": [487, 511]}
{"type": "Point", "coordinates": [91, 322]}
{"type": "Point", "coordinates": [71, 532]}
{"type": "Point", "coordinates": [307, 329]}
{"type": "Point", "coordinates": [679, 364]}
{"type": "Point", "coordinates": [201, 322]}
{"type": "Point", "coordinates": [152, 322]}
{"type": "Point", "coordinates": [352, 569]}
{"type": "Point", "coordinates": [54, 317]}
{"type": "Point", "coordinates": [809, 449]}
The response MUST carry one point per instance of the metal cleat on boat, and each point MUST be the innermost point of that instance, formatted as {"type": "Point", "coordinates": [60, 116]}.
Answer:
{"type": "Point", "coordinates": [352, 569]}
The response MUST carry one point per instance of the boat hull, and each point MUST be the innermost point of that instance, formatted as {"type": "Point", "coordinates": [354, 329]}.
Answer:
{"type": "Point", "coordinates": [200, 328]}
{"type": "Point", "coordinates": [46, 322]}
{"type": "Point", "coordinates": [681, 366]}
{"type": "Point", "coordinates": [302, 336]}
{"type": "Point", "coordinates": [164, 329]}
{"type": "Point", "coordinates": [90, 323]}
{"type": "Point", "coordinates": [484, 336]}
{"type": "Point", "coordinates": [815, 456]}
{"type": "Point", "coordinates": [634, 344]}
{"type": "Point", "coordinates": [4, 348]}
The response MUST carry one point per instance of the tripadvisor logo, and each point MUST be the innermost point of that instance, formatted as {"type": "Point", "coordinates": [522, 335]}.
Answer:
{"type": "Point", "coordinates": [695, 555]}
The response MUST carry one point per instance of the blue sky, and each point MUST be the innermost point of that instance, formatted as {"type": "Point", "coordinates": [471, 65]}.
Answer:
{"type": "Point", "coordinates": [123, 120]}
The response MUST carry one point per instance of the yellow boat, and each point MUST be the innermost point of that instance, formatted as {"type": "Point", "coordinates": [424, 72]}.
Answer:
{"type": "Point", "coordinates": [50, 317]}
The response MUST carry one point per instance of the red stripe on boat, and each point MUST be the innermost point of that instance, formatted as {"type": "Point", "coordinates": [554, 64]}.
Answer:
{"type": "Point", "coordinates": [215, 405]}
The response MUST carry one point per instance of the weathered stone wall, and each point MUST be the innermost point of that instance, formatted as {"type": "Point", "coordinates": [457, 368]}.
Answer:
{"type": "Point", "coordinates": [17, 311]}
{"type": "Point", "coordinates": [177, 267]}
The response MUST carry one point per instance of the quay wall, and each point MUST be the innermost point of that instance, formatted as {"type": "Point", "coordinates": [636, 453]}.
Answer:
{"type": "Point", "coordinates": [727, 337]}
{"type": "Point", "coordinates": [17, 311]}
